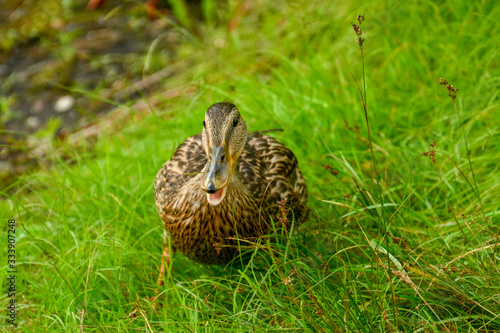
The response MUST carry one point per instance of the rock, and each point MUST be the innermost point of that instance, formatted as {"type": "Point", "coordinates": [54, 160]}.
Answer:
{"type": "Point", "coordinates": [37, 106]}
{"type": "Point", "coordinates": [33, 122]}
{"type": "Point", "coordinates": [64, 104]}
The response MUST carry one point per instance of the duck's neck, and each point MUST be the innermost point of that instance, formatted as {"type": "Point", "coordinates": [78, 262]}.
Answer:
{"type": "Point", "coordinates": [236, 181]}
{"type": "Point", "coordinates": [235, 172]}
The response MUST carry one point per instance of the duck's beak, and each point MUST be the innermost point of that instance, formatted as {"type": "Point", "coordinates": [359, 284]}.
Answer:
{"type": "Point", "coordinates": [216, 175]}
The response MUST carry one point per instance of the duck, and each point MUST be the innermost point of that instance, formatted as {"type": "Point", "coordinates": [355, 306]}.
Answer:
{"type": "Point", "coordinates": [226, 184]}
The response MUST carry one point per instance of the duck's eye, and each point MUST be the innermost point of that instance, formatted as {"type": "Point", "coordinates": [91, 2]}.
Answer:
{"type": "Point", "coordinates": [222, 158]}
{"type": "Point", "coordinates": [204, 123]}
{"type": "Point", "coordinates": [235, 122]}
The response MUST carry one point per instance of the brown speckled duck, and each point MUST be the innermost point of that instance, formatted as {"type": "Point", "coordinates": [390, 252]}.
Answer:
{"type": "Point", "coordinates": [225, 183]}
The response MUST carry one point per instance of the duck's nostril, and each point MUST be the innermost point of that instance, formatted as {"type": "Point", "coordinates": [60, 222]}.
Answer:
{"type": "Point", "coordinates": [211, 188]}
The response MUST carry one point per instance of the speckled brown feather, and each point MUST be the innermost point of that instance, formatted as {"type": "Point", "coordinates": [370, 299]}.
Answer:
{"type": "Point", "coordinates": [268, 173]}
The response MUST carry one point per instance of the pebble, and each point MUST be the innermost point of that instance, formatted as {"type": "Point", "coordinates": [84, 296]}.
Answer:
{"type": "Point", "coordinates": [64, 104]}
{"type": "Point", "coordinates": [33, 122]}
{"type": "Point", "coordinates": [37, 106]}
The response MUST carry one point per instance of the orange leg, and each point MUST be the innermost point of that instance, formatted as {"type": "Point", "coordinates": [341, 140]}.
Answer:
{"type": "Point", "coordinates": [165, 263]}
{"type": "Point", "coordinates": [152, 10]}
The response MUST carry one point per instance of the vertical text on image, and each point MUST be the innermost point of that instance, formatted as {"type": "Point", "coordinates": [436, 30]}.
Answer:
{"type": "Point", "coordinates": [11, 272]}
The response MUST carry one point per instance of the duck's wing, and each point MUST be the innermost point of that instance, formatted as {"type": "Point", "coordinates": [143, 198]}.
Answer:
{"type": "Point", "coordinates": [188, 160]}
{"type": "Point", "coordinates": [271, 172]}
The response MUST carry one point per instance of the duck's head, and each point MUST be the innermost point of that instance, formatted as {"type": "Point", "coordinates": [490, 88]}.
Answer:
{"type": "Point", "coordinates": [224, 136]}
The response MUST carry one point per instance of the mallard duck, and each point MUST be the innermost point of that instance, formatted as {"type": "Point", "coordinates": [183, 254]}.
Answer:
{"type": "Point", "coordinates": [225, 183]}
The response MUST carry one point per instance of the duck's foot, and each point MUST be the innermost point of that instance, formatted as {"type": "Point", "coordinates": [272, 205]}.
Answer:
{"type": "Point", "coordinates": [155, 303]}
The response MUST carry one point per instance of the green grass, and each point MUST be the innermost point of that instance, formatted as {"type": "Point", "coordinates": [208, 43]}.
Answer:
{"type": "Point", "coordinates": [89, 237]}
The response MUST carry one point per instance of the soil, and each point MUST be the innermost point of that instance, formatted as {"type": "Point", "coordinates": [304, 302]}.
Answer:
{"type": "Point", "coordinates": [55, 76]}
